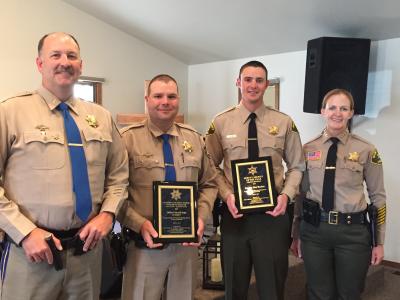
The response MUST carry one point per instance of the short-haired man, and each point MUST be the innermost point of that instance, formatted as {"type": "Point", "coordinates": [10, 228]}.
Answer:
{"type": "Point", "coordinates": [152, 266]}
{"type": "Point", "coordinates": [64, 174]}
{"type": "Point", "coordinates": [260, 240]}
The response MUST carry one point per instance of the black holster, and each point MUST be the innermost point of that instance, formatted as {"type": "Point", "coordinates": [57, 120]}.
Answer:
{"type": "Point", "coordinates": [373, 216]}
{"type": "Point", "coordinates": [311, 212]}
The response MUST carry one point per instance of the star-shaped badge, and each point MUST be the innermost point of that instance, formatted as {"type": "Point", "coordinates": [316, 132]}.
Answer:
{"type": "Point", "coordinates": [187, 147]}
{"type": "Point", "coordinates": [353, 156]}
{"type": "Point", "coordinates": [176, 194]}
{"type": "Point", "coordinates": [91, 119]}
{"type": "Point", "coordinates": [273, 130]}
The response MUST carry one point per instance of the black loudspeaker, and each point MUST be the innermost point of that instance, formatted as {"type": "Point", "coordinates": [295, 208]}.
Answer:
{"type": "Point", "coordinates": [336, 63]}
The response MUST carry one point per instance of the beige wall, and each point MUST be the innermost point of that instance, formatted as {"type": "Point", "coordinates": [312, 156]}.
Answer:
{"type": "Point", "coordinates": [125, 62]}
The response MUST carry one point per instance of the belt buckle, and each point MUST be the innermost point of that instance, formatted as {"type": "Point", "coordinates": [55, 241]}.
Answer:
{"type": "Point", "coordinates": [333, 217]}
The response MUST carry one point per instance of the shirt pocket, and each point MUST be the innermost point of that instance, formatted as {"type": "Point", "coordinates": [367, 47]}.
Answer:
{"type": "Point", "coordinates": [235, 148]}
{"type": "Point", "coordinates": [353, 166]}
{"type": "Point", "coordinates": [97, 144]}
{"type": "Point", "coordinates": [315, 171]}
{"type": "Point", "coordinates": [189, 168]}
{"type": "Point", "coordinates": [351, 174]}
{"type": "Point", "coordinates": [45, 149]}
{"type": "Point", "coordinates": [313, 164]}
{"type": "Point", "coordinates": [145, 169]}
{"type": "Point", "coordinates": [272, 146]}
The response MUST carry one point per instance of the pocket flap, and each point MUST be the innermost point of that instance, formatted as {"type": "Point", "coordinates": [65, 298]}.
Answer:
{"type": "Point", "coordinates": [95, 135]}
{"type": "Point", "coordinates": [44, 137]}
{"type": "Point", "coordinates": [142, 161]}
{"type": "Point", "coordinates": [272, 142]}
{"type": "Point", "coordinates": [233, 143]}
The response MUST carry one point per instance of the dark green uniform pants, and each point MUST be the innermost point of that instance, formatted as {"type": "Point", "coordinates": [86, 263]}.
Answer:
{"type": "Point", "coordinates": [260, 240]}
{"type": "Point", "coordinates": [336, 259]}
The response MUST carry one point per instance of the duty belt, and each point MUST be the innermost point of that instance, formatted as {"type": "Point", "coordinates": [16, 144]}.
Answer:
{"type": "Point", "coordinates": [335, 217]}
{"type": "Point", "coordinates": [69, 239]}
{"type": "Point", "coordinates": [138, 239]}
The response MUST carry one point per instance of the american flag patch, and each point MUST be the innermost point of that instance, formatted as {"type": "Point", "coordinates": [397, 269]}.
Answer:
{"type": "Point", "coordinates": [314, 155]}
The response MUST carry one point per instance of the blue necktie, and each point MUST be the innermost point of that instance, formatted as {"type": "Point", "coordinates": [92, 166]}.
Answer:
{"type": "Point", "coordinates": [170, 174]}
{"type": "Point", "coordinates": [80, 177]}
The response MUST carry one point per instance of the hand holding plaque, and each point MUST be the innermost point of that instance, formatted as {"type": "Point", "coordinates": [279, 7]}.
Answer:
{"type": "Point", "coordinates": [175, 211]}
{"type": "Point", "coordinates": [254, 184]}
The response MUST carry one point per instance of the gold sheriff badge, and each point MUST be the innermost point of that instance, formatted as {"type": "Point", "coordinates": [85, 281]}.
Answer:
{"type": "Point", "coordinates": [273, 130]}
{"type": "Point", "coordinates": [187, 147]}
{"type": "Point", "coordinates": [353, 156]}
{"type": "Point", "coordinates": [91, 119]}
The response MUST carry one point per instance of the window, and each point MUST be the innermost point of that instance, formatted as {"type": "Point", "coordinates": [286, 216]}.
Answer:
{"type": "Point", "coordinates": [89, 89]}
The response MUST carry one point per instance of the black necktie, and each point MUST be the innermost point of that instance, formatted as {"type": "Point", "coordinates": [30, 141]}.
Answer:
{"type": "Point", "coordinates": [328, 190]}
{"type": "Point", "coordinates": [252, 137]}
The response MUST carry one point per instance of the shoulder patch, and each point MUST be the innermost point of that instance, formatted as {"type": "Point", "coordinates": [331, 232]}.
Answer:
{"type": "Point", "coordinates": [375, 158]}
{"type": "Point", "coordinates": [186, 126]}
{"type": "Point", "coordinates": [211, 129]}
{"type": "Point", "coordinates": [136, 125]}
{"type": "Point", "coordinates": [294, 128]}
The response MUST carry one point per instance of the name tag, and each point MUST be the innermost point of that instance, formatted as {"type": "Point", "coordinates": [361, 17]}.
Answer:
{"type": "Point", "coordinates": [231, 136]}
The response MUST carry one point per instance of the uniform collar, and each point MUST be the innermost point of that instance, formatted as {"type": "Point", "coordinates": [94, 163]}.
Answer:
{"type": "Point", "coordinates": [52, 101]}
{"type": "Point", "coordinates": [244, 113]}
{"type": "Point", "coordinates": [343, 137]}
{"type": "Point", "coordinates": [157, 132]}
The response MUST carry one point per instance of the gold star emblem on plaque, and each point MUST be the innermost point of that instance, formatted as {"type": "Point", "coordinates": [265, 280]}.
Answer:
{"type": "Point", "coordinates": [273, 130]}
{"type": "Point", "coordinates": [176, 195]}
{"type": "Point", "coordinates": [353, 156]}
{"type": "Point", "coordinates": [91, 119]}
{"type": "Point", "coordinates": [187, 147]}
{"type": "Point", "coordinates": [252, 170]}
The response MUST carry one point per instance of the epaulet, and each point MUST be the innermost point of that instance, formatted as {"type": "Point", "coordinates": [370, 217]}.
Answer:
{"type": "Point", "coordinates": [226, 110]}
{"type": "Point", "coordinates": [276, 111]}
{"type": "Point", "coordinates": [293, 126]}
{"type": "Point", "coordinates": [22, 94]}
{"type": "Point", "coordinates": [316, 138]}
{"type": "Point", "coordinates": [135, 125]}
{"type": "Point", "coordinates": [357, 137]}
{"type": "Point", "coordinates": [186, 126]}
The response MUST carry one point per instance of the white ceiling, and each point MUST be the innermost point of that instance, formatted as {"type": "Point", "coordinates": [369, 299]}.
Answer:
{"type": "Point", "coordinates": [214, 30]}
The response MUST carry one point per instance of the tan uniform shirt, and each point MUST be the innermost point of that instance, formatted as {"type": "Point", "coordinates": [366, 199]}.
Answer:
{"type": "Point", "coordinates": [277, 137]}
{"type": "Point", "coordinates": [146, 164]}
{"type": "Point", "coordinates": [357, 161]}
{"type": "Point", "coordinates": [35, 169]}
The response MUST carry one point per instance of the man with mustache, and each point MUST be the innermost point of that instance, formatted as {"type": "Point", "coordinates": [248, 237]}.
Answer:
{"type": "Point", "coordinates": [64, 173]}
{"type": "Point", "coordinates": [259, 239]}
